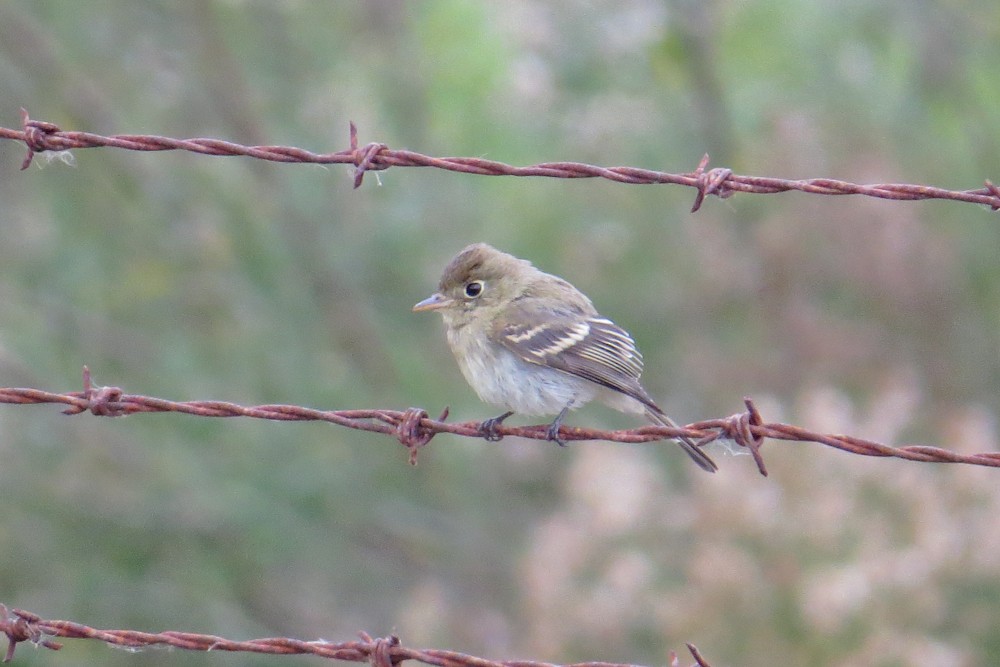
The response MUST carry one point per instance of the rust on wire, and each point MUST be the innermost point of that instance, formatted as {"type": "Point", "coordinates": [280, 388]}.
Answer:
{"type": "Point", "coordinates": [696, 654]}
{"type": "Point", "coordinates": [364, 158]}
{"type": "Point", "coordinates": [711, 182]}
{"type": "Point", "coordinates": [414, 429]}
{"type": "Point", "coordinates": [40, 136]}
{"type": "Point", "coordinates": [100, 401]}
{"type": "Point", "coordinates": [20, 625]}
{"type": "Point", "coordinates": [411, 432]}
{"type": "Point", "coordinates": [740, 429]}
{"type": "Point", "coordinates": [381, 655]}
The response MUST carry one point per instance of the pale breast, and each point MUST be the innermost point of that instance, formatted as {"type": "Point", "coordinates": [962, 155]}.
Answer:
{"type": "Point", "coordinates": [501, 378]}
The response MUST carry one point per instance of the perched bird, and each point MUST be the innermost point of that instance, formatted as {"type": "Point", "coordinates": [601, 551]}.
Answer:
{"type": "Point", "coordinates": [534, 344]}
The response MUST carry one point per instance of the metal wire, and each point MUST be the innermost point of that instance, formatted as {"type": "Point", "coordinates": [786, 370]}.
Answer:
{"type": "Point", "coordinates": [20, 625]}
{"type": "Point", "coordinates": [414, 429]}
{"type": "Point", "coordinates": [40, 136]}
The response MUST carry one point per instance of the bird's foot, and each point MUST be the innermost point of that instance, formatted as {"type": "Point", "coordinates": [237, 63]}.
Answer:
{"type": "Point", "coordinates": [553, 431]}
{"type": "Point", "coordinates": [488, 428]}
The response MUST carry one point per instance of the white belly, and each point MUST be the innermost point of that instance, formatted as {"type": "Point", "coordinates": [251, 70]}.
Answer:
{"type": "Point", "coordinates": [501, 378]}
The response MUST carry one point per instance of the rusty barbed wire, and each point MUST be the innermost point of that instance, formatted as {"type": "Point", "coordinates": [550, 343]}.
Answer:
{"type": "Point", "coordinates": [20, 625]}
{"type": "Point", "coordinates": [414, 428]}
{"type": "Point", "coordinates": [40, 136]}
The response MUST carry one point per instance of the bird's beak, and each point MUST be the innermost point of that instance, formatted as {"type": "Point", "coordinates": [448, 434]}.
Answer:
{"type": "Point", "coordinates": [435, 301]}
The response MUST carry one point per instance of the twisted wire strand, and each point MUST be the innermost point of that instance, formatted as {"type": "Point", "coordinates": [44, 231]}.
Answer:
{"type": "Point", "coordinates": [413, 428]}
{"type": "Point", "coordinates": [20, 625]}
{"type": "Point", "coordinates": [40, 136]}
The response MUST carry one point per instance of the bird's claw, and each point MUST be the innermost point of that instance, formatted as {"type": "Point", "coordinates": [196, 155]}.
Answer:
{"type": "Point", "coordinates": [488, 428]}
{"type": "Point", "coordinates": [553, 434]}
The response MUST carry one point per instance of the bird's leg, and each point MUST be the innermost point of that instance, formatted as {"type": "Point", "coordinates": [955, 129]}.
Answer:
{"type": "Point", "coordinates": [488, 428]}
{"type": "Point", "coordinates": [553, 432]}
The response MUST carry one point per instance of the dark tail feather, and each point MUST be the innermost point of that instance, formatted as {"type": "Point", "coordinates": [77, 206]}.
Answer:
{"type": "Point", "coordinates": [698, 456]}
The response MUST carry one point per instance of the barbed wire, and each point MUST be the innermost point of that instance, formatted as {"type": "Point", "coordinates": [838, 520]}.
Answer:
{"type": "Point", "coordinates": [414, 428]}
{"type": "Point", "coordinates": [40, 136]}
{"type": "Point", "coordinates": [20, 626]}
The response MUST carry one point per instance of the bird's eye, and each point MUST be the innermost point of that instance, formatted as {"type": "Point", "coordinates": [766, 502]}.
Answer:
{"type": "Point", "coordinates": [474, 288]}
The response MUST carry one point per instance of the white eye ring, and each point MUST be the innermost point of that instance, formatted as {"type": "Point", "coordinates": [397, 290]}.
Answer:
{"type": "Point", "coordinates": [474, 288]}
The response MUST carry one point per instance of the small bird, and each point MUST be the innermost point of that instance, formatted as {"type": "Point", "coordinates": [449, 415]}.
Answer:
{"type": "Point", "coordinates": [534, 344]}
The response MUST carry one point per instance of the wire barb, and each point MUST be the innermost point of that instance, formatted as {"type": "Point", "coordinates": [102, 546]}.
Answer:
{"type": "Point", "coordinates": [381, 652]}
{"type": "Point", "coordinates": [698, 657]}
{"type": "Point", "coordinates": [411, 432]}
{"type": "Point", "coordinates": [20, 626]}
{"type": "Point", "coordinates": [100, 401]}
{"type": "Point", "coordinates": [721, 182]}
{"type": "Point", "coordinates": [995, 191]}
{"type": "Point", "coordinates": [36, 133]}
{"type": "Point", "coordinates": [740, 429]}
{"type": "Point", "coordinates": [364, 158]}
{"type": "Point", "coordinates": [712, 182]}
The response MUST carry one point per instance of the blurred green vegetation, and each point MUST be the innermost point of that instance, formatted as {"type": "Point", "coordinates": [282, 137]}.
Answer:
{"type": "Point", "coordinates": [192, 277]}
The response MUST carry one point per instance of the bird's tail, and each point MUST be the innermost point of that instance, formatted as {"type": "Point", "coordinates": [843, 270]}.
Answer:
{"type": "Point", "coordinates": [692, 450]}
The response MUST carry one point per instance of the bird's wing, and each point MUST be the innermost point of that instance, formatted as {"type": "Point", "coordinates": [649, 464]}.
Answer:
{"type": "Point", "coordinates": [588, 346]}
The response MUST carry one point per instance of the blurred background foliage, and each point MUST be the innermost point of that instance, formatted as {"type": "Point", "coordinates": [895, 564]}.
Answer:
{"type": "Point", "coordinates": [192, 277]}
